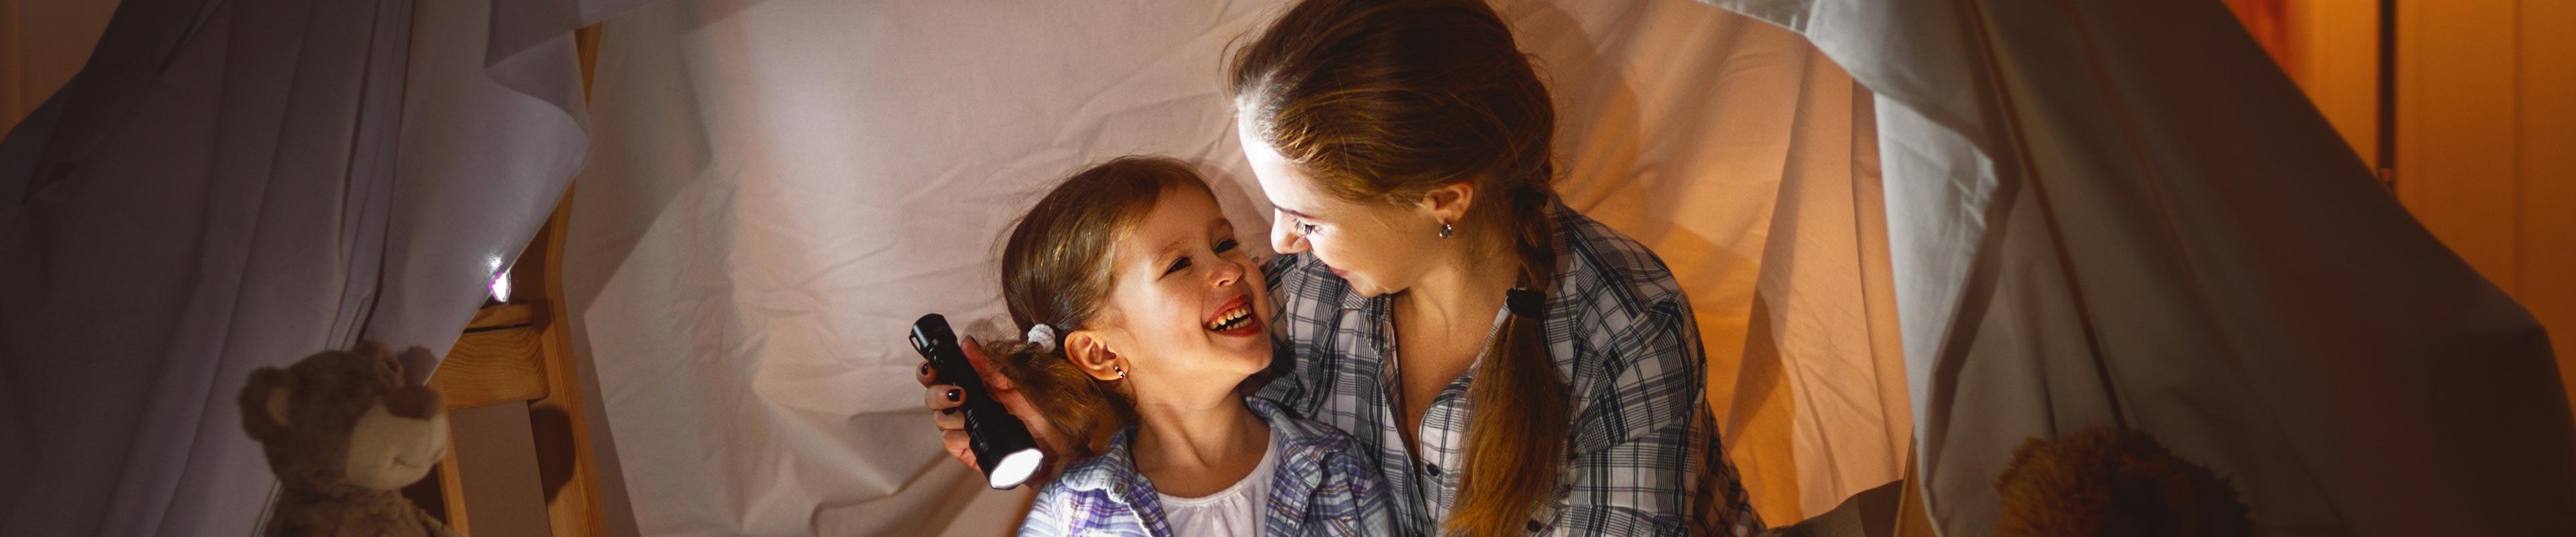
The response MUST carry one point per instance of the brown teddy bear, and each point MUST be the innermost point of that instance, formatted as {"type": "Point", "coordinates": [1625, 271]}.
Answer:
{"type": "Point", "coordinates": [2109, 482]}
{"type": "Point", "coordinates": [344, 433]}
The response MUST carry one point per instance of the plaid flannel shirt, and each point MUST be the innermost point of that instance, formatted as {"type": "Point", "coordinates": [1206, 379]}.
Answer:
{"type": "Point", "coordinates": [1320, 487]}
{"type": "Point", "coordinates": [1643, 453]}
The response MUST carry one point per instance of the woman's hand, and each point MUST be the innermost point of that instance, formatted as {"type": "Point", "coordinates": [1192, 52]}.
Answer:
{"type": "Point", "coordinates": [944, 400]}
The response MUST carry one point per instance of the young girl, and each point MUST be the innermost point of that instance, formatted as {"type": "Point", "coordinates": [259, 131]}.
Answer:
{"type": "Point", "coordinates": [1144, 318]}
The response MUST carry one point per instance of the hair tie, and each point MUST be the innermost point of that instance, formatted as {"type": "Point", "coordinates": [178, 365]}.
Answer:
{"type": "Point", "coordinates": [1043, 336]}
{"type": "Point", "coordinates": [1524, 302]}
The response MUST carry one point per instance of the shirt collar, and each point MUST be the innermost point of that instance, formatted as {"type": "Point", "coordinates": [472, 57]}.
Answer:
{"type": "Point", "coordinates": [1114, 470]}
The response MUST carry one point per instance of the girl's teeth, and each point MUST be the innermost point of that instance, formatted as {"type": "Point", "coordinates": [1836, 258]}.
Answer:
{"type": "Point", "coordinates": [1230, 320]}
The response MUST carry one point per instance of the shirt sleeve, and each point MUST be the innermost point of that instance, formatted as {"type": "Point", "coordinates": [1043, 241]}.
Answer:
{"type": "Point", "coordinates": [1642, 449]}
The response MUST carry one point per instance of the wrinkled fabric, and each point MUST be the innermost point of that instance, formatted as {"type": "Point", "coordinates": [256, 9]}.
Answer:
{"type": "Point", "coordinates": [2122, 214]}
{"type": "Point", "coordinates": [230, 185]}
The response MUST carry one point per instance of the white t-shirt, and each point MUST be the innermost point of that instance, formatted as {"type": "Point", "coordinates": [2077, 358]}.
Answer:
{"type": "Point", "coordinates": [1236, 510]}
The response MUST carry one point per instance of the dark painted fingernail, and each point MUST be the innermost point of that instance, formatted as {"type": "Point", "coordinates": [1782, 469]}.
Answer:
{"type": "Point", "coordinates": [950, 410]}
{"type": "Point", "coordinates": [954, 395]}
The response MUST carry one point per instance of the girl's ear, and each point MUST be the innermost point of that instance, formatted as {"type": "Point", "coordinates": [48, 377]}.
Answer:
{"type": "Point", "coordinates": [1090, 350]}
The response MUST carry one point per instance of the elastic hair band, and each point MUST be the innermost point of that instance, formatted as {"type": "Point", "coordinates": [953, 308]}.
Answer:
{"type": "Point", "coordinates": [1524, 302]}
{"type": "Point", "coordinates": [1043, 336]}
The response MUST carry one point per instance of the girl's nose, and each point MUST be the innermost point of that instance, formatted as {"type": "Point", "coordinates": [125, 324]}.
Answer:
{"type": "Point", "coordinates": [1284, 237]}
{"type": "Point", "coordinates": [1226, 274]}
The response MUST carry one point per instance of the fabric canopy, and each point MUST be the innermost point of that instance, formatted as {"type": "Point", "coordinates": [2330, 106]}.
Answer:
{"type": "Point", "coordinates": [779, 187]}
{"type": "Point", "coordinates": [2107, 213]}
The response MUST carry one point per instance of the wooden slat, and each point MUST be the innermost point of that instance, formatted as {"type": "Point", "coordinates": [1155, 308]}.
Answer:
{"type": "Point", "coordinates": [564, 444]}
{"type": "Point", "coordinates": [492, 364]}
{"type": "Point", "coordinates": [2455, 128]}
{"type": "Point", "coordinates": [578, 505]}
{"type": "Point", "coordinates": [2336, 60]}
{"type": "Point", "coordinates": [451, 489]}
{"type": "Point", "coordinates": [2546, 137]}
{"type": "Point", "coordinates": [507, 315]}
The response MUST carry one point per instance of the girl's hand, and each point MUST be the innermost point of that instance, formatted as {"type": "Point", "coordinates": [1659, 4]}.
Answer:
{"type": "Point", "coordinates": [944, 400]}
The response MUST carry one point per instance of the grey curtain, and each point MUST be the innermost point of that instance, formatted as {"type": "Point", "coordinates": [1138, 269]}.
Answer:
{"type": "Point", "coordinates": [2118, 212]}
{"type": "Point", "coordinates": [235, 184]}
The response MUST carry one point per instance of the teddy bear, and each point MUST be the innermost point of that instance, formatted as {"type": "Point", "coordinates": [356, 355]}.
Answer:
{"type": "Point", "coordinates": [344, 432]}
{"type": "Point", "coordinates": [2111, 482]}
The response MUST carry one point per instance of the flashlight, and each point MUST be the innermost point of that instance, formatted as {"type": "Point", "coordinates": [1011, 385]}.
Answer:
{"type": "Point", "coordinates": [1001, 442]}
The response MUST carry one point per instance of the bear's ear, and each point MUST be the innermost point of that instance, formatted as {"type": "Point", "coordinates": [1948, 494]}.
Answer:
{"type": "Point", "coordinates": [415, 356]}
{"type": "Point", "coordinates": [267, 403]}
{"type": "Point", "coordinates": [371, 349]}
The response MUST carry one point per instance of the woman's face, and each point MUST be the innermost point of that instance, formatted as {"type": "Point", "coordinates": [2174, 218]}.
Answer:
{"type": "Point", "coordinates": [1378, 248]}
{"type": "Point", "coordinates": [1188, 304]}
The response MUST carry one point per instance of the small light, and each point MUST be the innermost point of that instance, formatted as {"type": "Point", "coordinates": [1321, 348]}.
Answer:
{"type": "Point", "coordinates": [1015, 468]}
{"type": "Point", "coordinates": [501, 287]}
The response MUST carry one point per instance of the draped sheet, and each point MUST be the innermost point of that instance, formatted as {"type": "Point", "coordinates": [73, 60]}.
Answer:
{"type": "Point", "coordinates": [2121, 213]}
{"type": "Point", "coordinates": [778, 187]}
{"type": "Point", "coordinates": [230, 185]}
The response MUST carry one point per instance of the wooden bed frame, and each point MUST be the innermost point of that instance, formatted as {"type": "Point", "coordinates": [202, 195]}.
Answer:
{"type": "Point", "coordinates": [521, 353]}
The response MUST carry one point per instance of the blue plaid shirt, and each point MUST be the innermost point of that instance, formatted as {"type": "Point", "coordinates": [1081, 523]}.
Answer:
{"type": "Point", "coordinates": [1321, 486]}
{"type": "Point", "coordinates": [1643, 452]}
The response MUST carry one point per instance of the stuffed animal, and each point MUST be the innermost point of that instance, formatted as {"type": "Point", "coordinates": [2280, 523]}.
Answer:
{"type": "Point", "coordinates": [2113, 483]}
{"type": "Point", "coordinates": [344, 433]}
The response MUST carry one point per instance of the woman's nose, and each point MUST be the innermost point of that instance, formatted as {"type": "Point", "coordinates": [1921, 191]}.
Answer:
{"type": "Point", "coordinates": [1284, 237]}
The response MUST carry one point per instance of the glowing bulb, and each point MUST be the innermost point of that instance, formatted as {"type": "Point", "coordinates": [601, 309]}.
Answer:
{"type": "Point", "coordinates": [501, 286]}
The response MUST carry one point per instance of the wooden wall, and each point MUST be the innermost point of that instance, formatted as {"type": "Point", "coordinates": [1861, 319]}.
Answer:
{"type": "Point", "coordinates": [2485, 126]}
{"type": "Point", "coordinates": [2478, 131]}
{"type": "Point", "coordinates": [42, 43]}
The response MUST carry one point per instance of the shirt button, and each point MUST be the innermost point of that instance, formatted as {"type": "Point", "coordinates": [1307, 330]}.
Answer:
{"type": "Point", "coordinates": [1433, 468]}
{"type": "Point", "coordinates": [1535, 527]}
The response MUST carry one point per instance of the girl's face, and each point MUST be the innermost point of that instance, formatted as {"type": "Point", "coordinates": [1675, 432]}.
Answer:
{"type": "Point", "coordinates": [1187, 304]}
{"type": "Point", "coordinates": [1377, 248]}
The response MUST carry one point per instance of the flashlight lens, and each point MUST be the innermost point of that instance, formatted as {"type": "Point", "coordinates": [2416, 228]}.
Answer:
{"type": "Point", "coordinates": [1015, 468]}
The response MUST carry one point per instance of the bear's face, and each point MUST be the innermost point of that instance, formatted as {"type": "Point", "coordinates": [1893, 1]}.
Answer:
{"type": "Point", "coordinates": [397, 440]}
{"type": "Point", "coordinates": [345, 419]}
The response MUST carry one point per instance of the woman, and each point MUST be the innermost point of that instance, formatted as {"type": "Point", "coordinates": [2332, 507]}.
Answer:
{"type": "Point", "coordinates": [1143, 316]}
{"type": "Point", "coordinates": [1406, 146]}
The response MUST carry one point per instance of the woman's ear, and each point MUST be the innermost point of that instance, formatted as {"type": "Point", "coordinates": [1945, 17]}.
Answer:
{"type": "Point", "coordinates": [1090, 350]}
{"type": "Point", "coordinates": [1449, 202]}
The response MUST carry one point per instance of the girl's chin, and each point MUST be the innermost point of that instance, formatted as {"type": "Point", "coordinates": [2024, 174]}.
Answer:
{"type": "Point", "coordinates": [1252, 360]}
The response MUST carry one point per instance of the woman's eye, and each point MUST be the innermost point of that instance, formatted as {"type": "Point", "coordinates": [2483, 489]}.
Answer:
{"type": "Point", "coordinates": [1226, 245]}
{"type": "Point", "coordinates": [1177, 265]}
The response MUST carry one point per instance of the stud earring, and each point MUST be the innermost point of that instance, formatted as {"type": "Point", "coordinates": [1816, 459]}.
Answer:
{"type": "Point", "coordinates": [1446, 231]}
{"type": "Point", "coordinates": [1122, 372]}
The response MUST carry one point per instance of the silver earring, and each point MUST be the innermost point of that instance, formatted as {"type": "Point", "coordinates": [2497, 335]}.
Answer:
{"type": "Point", "coordinates": [1122, 372]}
{"type": "Point", "coordinates": [1446, 231]}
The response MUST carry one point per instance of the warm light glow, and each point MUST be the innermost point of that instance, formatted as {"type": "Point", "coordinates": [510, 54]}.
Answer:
{"type": "Point", "coordinates": [1015, 468]}
{"type": "Point", "coordinates": [501, 287]}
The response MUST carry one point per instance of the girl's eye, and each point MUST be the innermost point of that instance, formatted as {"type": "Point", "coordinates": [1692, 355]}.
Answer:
{"type": "Point", "coordinates": [1226, 245]}
{"type": "Point", "coordinates": [1304, 227]}
{"type": "Point", "coordinates": [1177, 265]}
